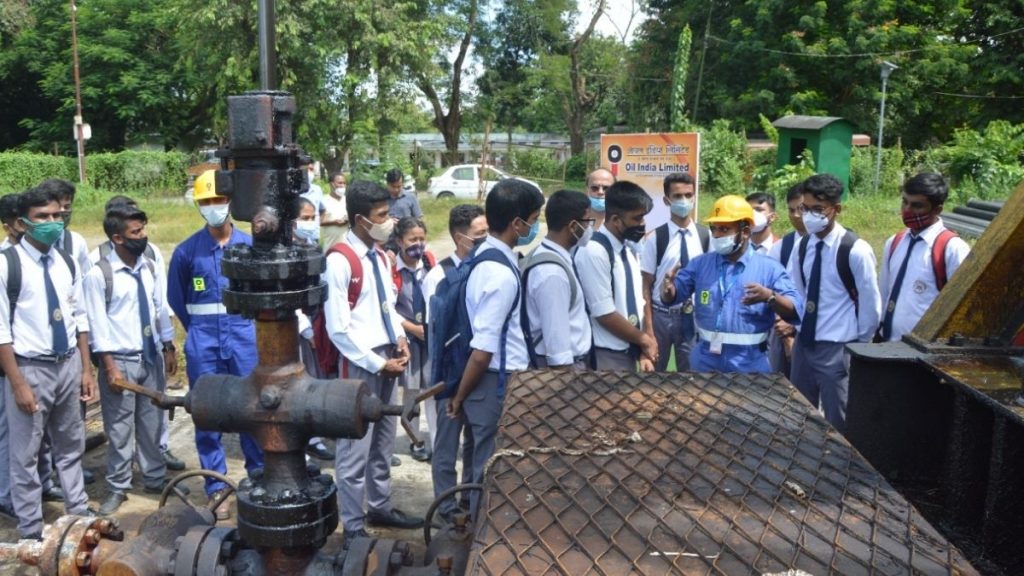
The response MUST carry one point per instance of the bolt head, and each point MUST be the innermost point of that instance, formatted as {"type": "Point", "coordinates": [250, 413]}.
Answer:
{"type": "Point", "coordinates": [83, 559]}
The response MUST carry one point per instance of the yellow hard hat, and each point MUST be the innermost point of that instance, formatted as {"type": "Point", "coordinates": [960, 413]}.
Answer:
{"type": "Point", "coordinates": [205, 187]}
{"type": "Point", "coordinates": [731, 208]}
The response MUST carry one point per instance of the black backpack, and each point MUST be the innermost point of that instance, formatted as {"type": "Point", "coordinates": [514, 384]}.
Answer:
{"type": "Point", "coordinates": [842, 264]}
{"type": "Point", "coordinates": [661, 241]}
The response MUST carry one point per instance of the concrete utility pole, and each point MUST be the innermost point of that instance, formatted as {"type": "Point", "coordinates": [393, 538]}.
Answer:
{"type": "Point", "coordinates": [887, 68]}
{"type": "Point", "coordinates": [79, 124]}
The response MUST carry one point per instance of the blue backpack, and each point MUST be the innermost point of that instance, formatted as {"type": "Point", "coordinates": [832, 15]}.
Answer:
{"type": "Point", "coordinates": [451, 328]}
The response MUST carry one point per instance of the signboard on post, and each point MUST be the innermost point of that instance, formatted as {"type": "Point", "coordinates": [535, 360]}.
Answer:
{"type": "Point", "coordinates": [646, 159]}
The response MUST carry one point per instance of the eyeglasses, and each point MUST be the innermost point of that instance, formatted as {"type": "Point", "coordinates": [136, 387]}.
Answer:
{"type": "Point", "coordinates": [819, 210]}
{"type": "Point", "coordinates": [596, 187]}
{"type": "Point", "coordinates": [588, 222]}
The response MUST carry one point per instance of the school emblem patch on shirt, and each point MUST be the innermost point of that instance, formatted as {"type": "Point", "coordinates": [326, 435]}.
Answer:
{"type": "Point", "coordinates": [919, 287]}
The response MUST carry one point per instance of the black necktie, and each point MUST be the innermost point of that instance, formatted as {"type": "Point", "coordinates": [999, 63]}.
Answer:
{"type": "Point", "coordinates": [419, 305]}
{"type": "Point", "coordinates": [891, 307]}
{"type": "Point", "coordinates": [60, 332]}
{"type": "Point", "coordinates": [684, 252]}
{"type": "Point", "coordinates": [634, 317]}
{"type": "Point", "coordinates": [809, 323]}
{"type": "Point", "coordinates": [381, 298]}
{"type": "Point", "coordinates": [148, 346]}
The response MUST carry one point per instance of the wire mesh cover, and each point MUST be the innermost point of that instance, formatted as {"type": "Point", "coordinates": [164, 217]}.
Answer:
{"type": "Point", "coordinates": [615, 473]}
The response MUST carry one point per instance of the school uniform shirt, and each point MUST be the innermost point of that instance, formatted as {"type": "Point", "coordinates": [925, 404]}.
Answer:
{"type": "Point", "coordinates": [117, 327]}
{"type": "Point", "coordinates": [358, 331]}
{"type": "Point", "coordinates": [838, 319]}
{"type": "Point", "coordinates": [158, 256]}
{"type": "Point", "coordinates": [561, 326]}
{"type": "Point", "coordinates": [404, 299]}
{"type": "Point", "coordinates": [31, 321]}
{"type": "Point", "coordinates": [596, 277]}
{"type": "Point", "coordinates": [649, 255]}
{"type": "Point", "coordinates": [79, 251]}
{"type": "Point", "coordinates": [491, 293]}
{"type": "Point", "coordinates": [764, 248]}
{"type": "Point", "coordinates": [433, 278]}
{"type": "Point", "coordinates": [919, 288]}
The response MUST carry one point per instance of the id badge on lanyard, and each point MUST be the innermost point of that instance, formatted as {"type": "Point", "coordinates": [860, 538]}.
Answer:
{"type": "Point", "coordinates": [716, 336]}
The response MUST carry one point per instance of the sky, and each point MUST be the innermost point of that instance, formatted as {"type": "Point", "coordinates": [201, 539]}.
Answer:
{"type": "Point", "coordinates": [616, 18]}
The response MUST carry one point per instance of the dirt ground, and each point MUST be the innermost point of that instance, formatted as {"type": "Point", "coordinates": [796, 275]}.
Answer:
{"type": "Point", "coordinates": [412, 489]}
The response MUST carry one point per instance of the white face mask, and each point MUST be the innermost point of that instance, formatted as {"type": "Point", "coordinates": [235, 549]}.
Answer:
{"type": "Point", "coordinates": [582, 239]}
{"type": "Point", "coordinates": [339, 191]}
{"type": "Point", "coordinates": [726, 245]}
{"type": "Point", "coordinates": [814, 222]}
{"type": "Point", "coordinates": [215, 215]}
{"type": "Point", "coordinates": [308, 230]}
{"type": "Point", "coordinates": [380, 233]}
{"type": "Point", "coordinates": [760, 222]}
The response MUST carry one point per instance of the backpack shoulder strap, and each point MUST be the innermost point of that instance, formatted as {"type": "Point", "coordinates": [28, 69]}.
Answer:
{"type": "Point", "coordinates": [429, 260]}
{"type": "Point", "coordinates": [604, 241]}
{"type": "Point", "coordinates": [108, 280]}
{"type": "Point", "coordinates": [69, 261]}
{"type": "Point", "coordinates": [68, 241]}
{"type": "Point", "coordinates": [13, 278]}
{"type": "Point", "coordinates": [939, 256]}
{"type": "Point", "coordinates": [661, 243]}
{"type": "Point", "coordinates": [107, 246]}
{"type": "Point", "coordinates": [447, 264]}
{"type": "Point", "coordinates": [802, 256]}
{"type": "Point", "coordinates": [355, 283]}
{"type": "Point", "coordinates": [533, 260]}
{"type": "Point", "coordinates": [150, 254]}
{"type": "Point", "coordinates": [704, 233]}
{"type": "Point", "coordinates": [843, 264]}
{"type": "Point", "coordinates": [895, 242]}
{"type": "Point", "coordinates": [787, 248]}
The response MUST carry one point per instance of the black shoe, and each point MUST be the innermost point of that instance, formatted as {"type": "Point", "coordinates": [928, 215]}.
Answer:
{"type": "Point", "coordinates": [159, 488]}
{"type": "Point", "coordinates": [7, 511]}
{"type": "Point", "coordinates": [112, 503]}
{"type": "Point", "coordinates": [87, 476]}
{"type": "Point", "coordinates": [396, 461]}
{"type": "Point", "coordinates": [420, 453]}
{"type": "Point", "coordinates": [319, 451]}
{"type": "Point", "coordinates": [350, 536]}
{"type": "Point", "coordinates": [54, 494]}
{"type": "Point", "coordinates": [393, 519]}
{"type": "Point", "coordinates": [38, 536]}
{"type": "Point", "coordinates": [172, 462]}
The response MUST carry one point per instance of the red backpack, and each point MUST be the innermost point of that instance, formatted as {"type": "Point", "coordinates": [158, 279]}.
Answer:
{"type": "Point", "coordinates": [327, 355]}
{"type": "Point", "coordinates": [938, 253]}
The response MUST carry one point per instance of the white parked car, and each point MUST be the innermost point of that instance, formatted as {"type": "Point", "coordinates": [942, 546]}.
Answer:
{"type": "Point", "coordinates": [463, 181]}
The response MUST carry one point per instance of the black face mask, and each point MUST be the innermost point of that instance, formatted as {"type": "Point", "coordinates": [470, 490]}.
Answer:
{"type": "Point", "coordinates": [136, 246]}
{"type": "Point", "coordinates": [634, 233]}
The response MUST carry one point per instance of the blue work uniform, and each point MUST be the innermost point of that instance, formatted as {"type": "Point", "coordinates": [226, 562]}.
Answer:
{"type": "Point", "coordinates": [216, 342]}
{"type": "Point", "coordinates": [718, 288]}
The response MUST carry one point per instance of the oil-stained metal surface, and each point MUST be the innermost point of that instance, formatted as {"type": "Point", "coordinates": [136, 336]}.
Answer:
{"type": "Point", "coordinates": [615, 473]}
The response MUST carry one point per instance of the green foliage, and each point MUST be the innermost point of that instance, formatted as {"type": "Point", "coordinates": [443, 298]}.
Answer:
{"type": "Point", "coordinates": [577, 167]}
{"type": "Point", "coordinates": [140, 174]}
{"type": "Point", "coordinates": [769, 130]}
{"type": "Point", "coordinates": [862, 170]}
{"type": "Point", "coordinates": [980, 164]}
{"type": "Point", "coordinates": [778, 181]}
{"type": "Point", "coordinates": [22, 170]}
{"type": "Point", "coordinates": [535, 164]}
{"type": "Point", "coordinates": [722, 157]}
{"type": "Point", "coordinates": [680, 121]}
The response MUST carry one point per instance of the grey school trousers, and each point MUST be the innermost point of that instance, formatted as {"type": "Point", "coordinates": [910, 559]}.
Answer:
{"type": "Point", "coordinates": [446, 450]}
{"type": "Point", "coordinates": [57, 387]}
{"type": "Point", "coordinates": [132, 421]}
{"type": "Point", "coordinates": [362, 467]}
{"type": "Point", "coordinates": [614, 359]}
{"type": "Point", "coordinates": [822, 373]}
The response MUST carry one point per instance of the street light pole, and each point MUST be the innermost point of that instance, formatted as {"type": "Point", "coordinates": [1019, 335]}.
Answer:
{"type": "Point", "coordinates": [887, 68]}
{"type": "Point", "coordinates": [79, 128]}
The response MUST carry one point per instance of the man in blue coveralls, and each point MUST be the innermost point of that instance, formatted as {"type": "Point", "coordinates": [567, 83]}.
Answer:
{"type": "Point", "coordinates": [738, 293]}
{"type": "Point", "coordinates": [216, 342]}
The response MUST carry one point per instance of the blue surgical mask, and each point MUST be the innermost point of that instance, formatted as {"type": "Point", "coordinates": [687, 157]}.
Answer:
{"type": "Point", "coordinates": [681, 208]}
{"type": "Point", "coordinates": [307, 230]}
{"type": "Point", "coordinates": [531, 235]}
{"type": "Point", "coordinates": [597, 204]}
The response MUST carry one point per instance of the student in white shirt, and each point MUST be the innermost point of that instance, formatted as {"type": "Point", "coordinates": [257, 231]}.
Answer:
{"type": "Point", "coordinates": [762, 237]}
{"type": "Point", "coordinates": [42, 347]}
{"type": "Point", "coordinates": [672, 327]}
{"type": "Point", "coordinates": [467, 226]}
{"type": "Point", "coordinates": [493, 292]}
{"type": "Point", "coordinates": [613, 287]}
{"type": "Point", "coordinates": [911, 259]}
{"type": "Point", "coordinates": [834, 315]}
{"type": "Point", "coordinates": [133, 337]}
{"type": "Point", "coordinates": [374, 349]}
{"type": "Point", "coordinates": [559, 327]}
{"type": "Point", "coordinates": [783, 336]}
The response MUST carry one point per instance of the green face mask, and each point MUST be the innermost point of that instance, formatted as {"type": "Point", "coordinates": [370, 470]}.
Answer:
{"type": "Point", "coordinates": [44, 232]}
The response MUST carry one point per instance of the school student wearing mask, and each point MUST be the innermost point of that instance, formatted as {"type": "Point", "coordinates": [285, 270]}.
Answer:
{"type": "Point", "coordinates": [467, 226]}
{"type": "Point", "coordinates": [557, 328]}
{"type": "Point", "coordinates": [677, 241]}
{"type": "Point", "coordinates": [609, 273]}
{"type": "Point", "coordinates": [493, 297]}
{"type": "Point", "coordinates": [835, 272]}
{"type": "Point", "coordinates": [373, 348]}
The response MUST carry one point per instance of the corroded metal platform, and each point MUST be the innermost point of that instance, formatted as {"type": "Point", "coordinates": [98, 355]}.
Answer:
{"type": "Point", "coordinates": [614, 473]}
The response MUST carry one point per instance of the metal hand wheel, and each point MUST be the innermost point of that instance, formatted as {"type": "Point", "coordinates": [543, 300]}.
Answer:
{"type": "Point", "coordinates": [172, 487]}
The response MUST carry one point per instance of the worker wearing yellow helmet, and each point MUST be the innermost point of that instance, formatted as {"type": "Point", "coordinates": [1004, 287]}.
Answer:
{"type": "Point", "coordinates": [737, 294]}
{"type": "Point", "coordinates": [215, 342]}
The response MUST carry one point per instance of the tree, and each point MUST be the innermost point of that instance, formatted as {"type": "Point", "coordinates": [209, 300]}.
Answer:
{"type": "Point", "coordinates": [679, 74]}
{"type": "Point", "coordinates": [581, 101]}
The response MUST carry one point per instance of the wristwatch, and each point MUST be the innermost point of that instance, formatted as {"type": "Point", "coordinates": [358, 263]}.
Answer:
{"type": "Point", "coordinates": [771, 299]}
